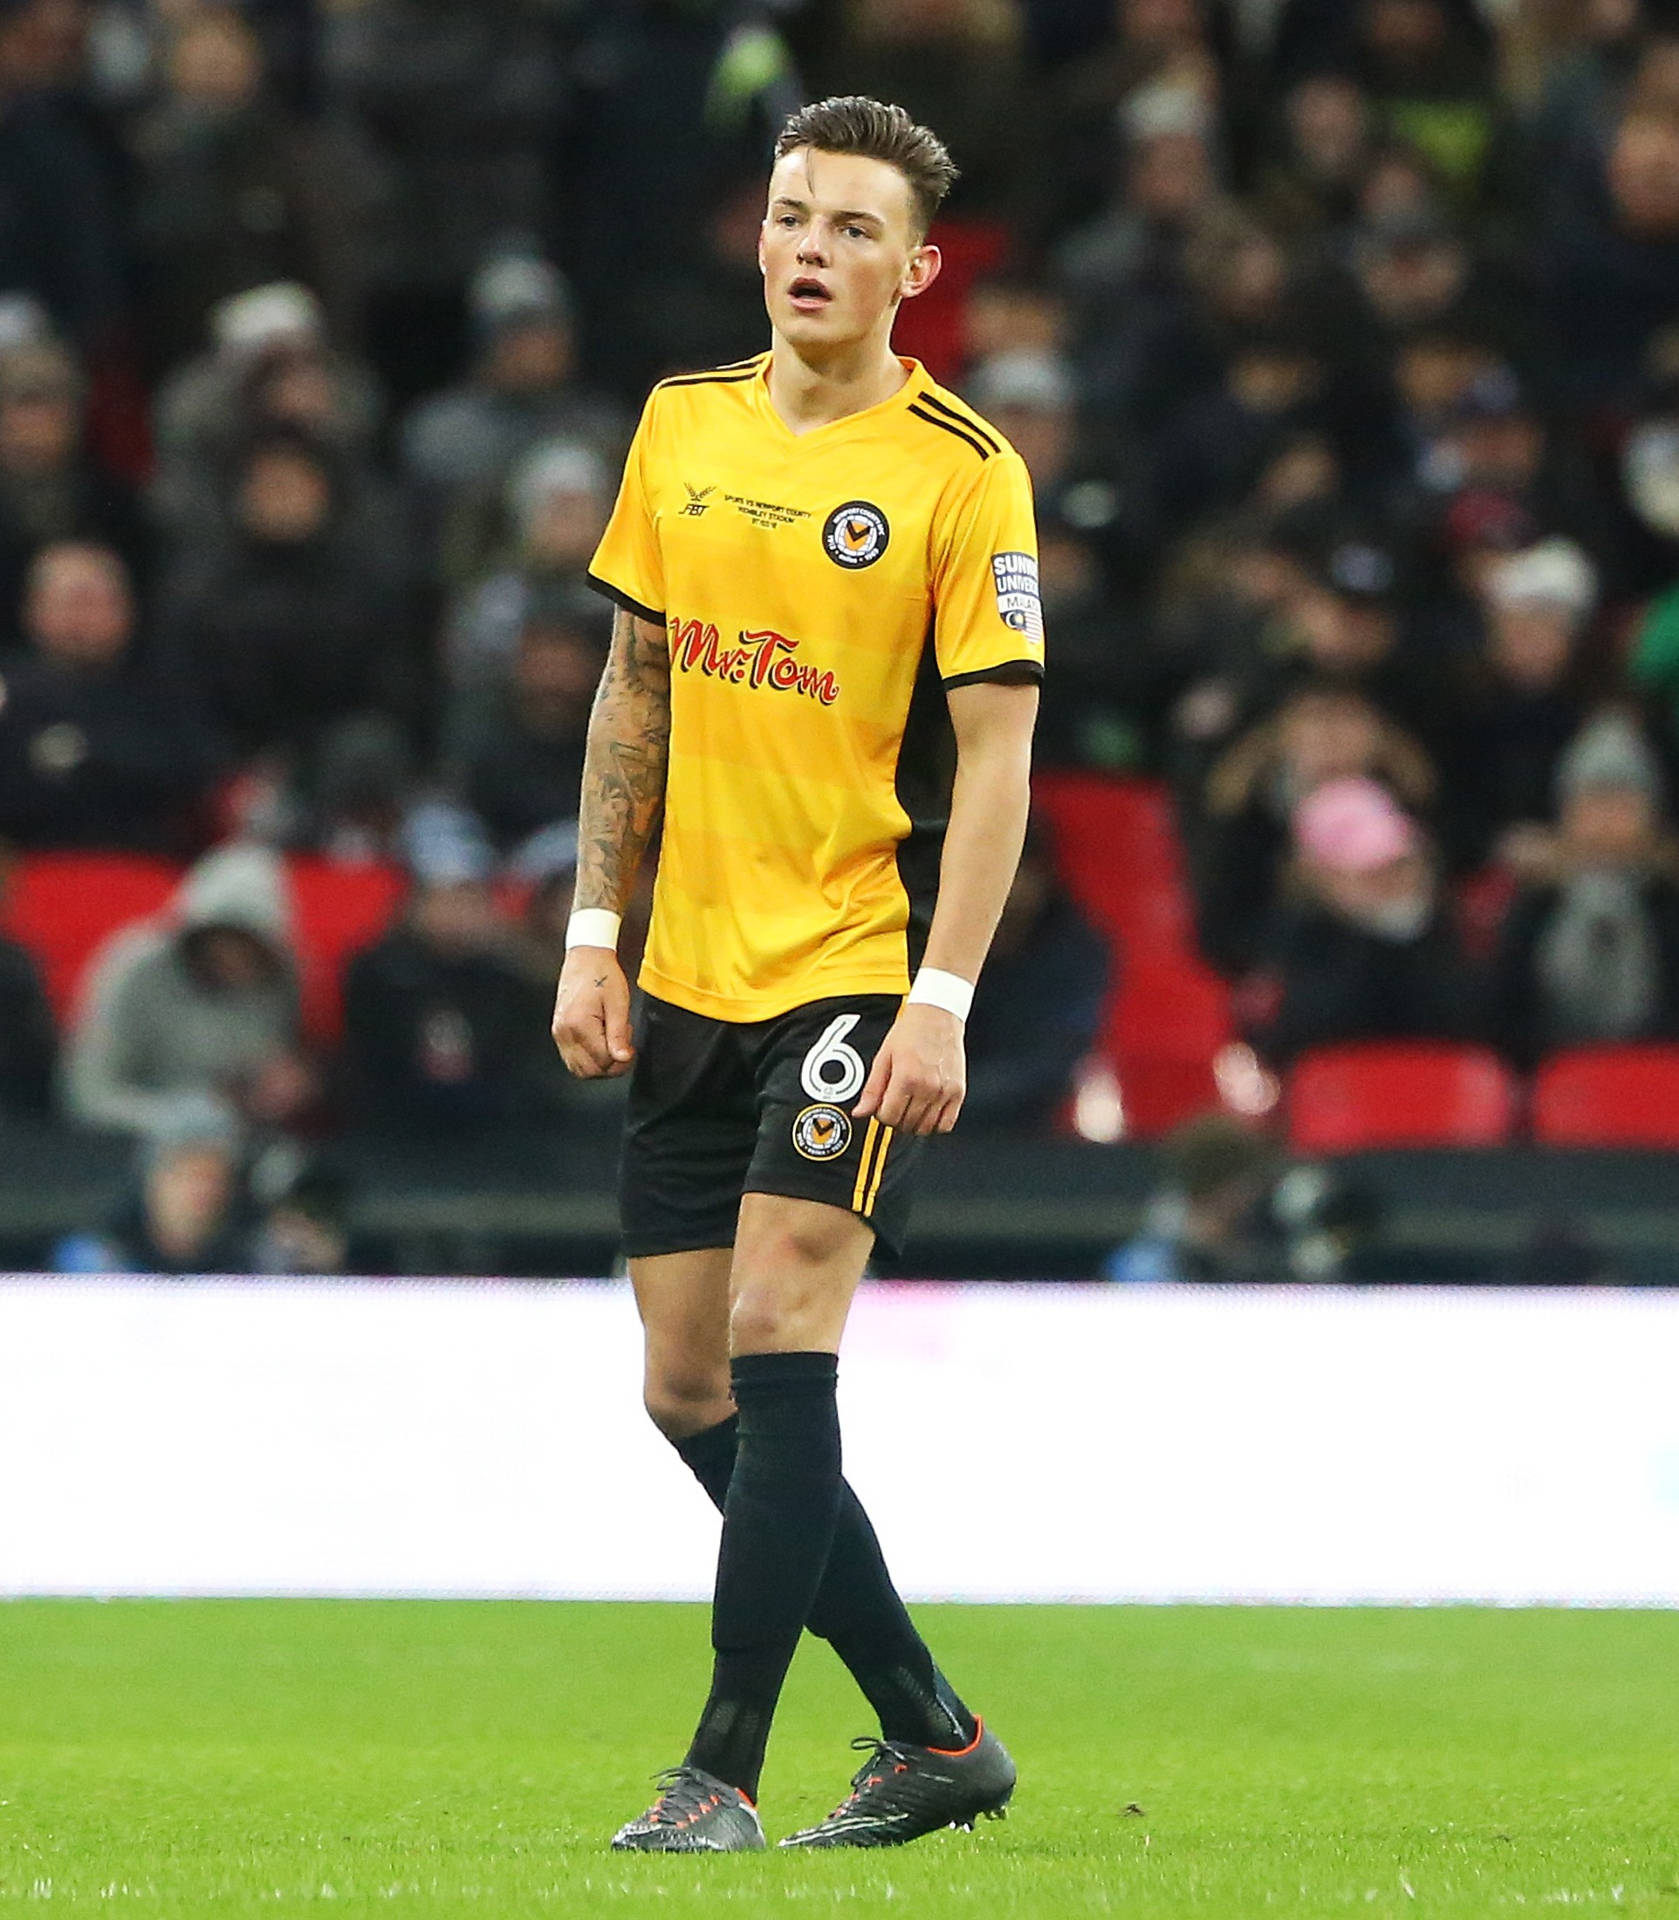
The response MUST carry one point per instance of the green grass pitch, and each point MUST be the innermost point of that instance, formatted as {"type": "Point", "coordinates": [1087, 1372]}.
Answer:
{"type": "Point", "coordinates": [243, 1757]}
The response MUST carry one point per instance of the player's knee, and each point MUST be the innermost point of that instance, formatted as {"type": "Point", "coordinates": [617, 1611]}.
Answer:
{"type": "Point", "coordinates": [685, 1398]}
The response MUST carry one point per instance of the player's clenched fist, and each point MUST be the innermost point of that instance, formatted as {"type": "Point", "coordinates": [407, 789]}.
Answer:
{"type": "Point", "coordinates": [919, 1075]}
{"type": "Point", "coordinates": [592, 1015]}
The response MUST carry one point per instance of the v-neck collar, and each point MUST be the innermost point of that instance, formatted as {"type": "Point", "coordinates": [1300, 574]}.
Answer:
{"type": "Point", "coordinates": [915, 379]}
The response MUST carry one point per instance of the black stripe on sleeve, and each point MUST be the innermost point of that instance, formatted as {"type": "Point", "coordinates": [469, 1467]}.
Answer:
{"type": "Point", "coordinates": [1009, 673]}
{"type": "Point", "coordinates": [960, 433]}
{"type": "Point", "coordinates": [708, 379]}
{"type": "Point", "coordinates": [962, 420]}
{"type": "Point", "coordinates": [621, 599]}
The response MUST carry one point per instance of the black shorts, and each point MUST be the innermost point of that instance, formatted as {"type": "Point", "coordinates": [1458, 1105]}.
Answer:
{"type": "Point", "coordinates": [720, 1108]}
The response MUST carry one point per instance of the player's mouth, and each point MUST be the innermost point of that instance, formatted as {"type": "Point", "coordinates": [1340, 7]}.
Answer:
{"type": "Point", "coordinates": [808, 295]}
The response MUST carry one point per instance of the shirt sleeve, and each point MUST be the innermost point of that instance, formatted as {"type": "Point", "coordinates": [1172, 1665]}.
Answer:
{"type": "Point", "coordinates": [988, 621]}
{"type": "Point", "coordinates": [627, 566]}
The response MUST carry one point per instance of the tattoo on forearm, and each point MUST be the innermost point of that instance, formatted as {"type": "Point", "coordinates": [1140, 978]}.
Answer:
{"type": "Point", "coordinates": [624, 769]}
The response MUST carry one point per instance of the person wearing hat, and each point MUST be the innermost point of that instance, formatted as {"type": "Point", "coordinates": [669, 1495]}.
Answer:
{"type": "Point", "coordinates": [1523, 701]}
{"type": "Point", "coordinates": [556, 504]}
{"type": "Point", "coordinates": [51, 486]}
{"type": "Point", "coordinates": [463, 443]}
{"type": "Point", "coordinates": [1589, 952]}
{"type": "Point", "coordinates": [196, 1011]}
{"type": "Point", "coordinates": [1362, 950]}
{"type": "Point", "coordinates": [271, 363]}
{"type": "Point", "coordinates": [437, 1013]}
{"type": "Point", "coordinates": [513, 745]}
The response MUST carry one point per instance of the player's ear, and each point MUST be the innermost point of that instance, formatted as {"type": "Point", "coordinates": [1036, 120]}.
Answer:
{"type": "Point", "coordinates": [922, 271]}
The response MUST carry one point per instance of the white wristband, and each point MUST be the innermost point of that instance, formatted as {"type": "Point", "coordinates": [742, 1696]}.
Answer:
{"type": "Point", "coordinates": [593, 927]}
{"type": "Point", "coordinates": [935, 988]}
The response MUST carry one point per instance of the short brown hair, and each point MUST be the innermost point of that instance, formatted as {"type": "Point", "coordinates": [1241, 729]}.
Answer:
{"type": "Point", "coordinates": [853, 123]}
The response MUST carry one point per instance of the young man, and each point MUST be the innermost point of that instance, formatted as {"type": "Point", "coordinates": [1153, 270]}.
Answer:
{"type": "Point", "coordinates": [824, 671]}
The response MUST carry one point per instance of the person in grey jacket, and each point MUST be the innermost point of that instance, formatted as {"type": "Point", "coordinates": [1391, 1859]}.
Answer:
{"type": "Point", "coordinates": [196, 1012]}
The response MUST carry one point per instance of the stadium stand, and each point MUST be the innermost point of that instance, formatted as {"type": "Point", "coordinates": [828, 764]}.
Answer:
{"type": "Point", "coordinates": [1348, 1099]}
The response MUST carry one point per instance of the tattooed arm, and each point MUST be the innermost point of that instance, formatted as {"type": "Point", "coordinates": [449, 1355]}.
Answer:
{"type": "Point", "coordinates": [623, 791]}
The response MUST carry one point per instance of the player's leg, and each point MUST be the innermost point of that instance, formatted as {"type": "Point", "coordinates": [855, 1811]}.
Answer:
{"type": "Point", "coordinates": [810, 1067]}
{"type": "Point", "coordinates": [796, 1266]}
{"type": "Point", "coordinates": [684, 1304]}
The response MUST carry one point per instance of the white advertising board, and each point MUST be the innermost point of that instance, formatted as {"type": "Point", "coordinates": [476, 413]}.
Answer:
{"type": "Point", "coordinates": [1012, 1443]}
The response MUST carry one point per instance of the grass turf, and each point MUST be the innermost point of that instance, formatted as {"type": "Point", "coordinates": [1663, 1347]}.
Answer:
{"type": "Point", "coordinates": [208, 1758]}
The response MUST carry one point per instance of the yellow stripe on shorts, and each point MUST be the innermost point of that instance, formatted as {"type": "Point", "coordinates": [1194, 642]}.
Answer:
{"type": "Point", "coordinates": [862, 1185]}
{"type": "Point", "coordinates": [879, 1169]}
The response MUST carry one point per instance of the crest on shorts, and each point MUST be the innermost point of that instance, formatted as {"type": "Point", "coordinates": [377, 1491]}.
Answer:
{"type": "Point", "coordinates": [856, 534]}
{"type": "Point", "coordinates": [822, 1133]}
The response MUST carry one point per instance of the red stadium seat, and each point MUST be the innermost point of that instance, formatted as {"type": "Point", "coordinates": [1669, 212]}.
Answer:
{"type": "Point", "coordinates": [1399, 1094]}
{"type": "Point", "coordinates": [1608, 1097]}
{"type": "Point", "coordinates": [336, 911]}
{"type": "Point", "coordinates": [64, 906]}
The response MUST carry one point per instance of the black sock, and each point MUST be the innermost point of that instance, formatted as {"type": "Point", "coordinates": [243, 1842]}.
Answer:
{"type": "Point", "coordinates": [858, 1612]}
{"type": "Point", "coordinates": [778, 1524]}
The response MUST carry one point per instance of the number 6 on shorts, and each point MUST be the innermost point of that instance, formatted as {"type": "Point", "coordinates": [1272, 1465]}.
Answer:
{"type": "Point", "coordinates": [832, 1070]}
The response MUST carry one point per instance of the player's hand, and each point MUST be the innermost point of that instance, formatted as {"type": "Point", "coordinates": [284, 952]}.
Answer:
{"type": "Point", "coordinates": [919, 1075]}
{"type": "Point", "coordinates": [592, 1015]}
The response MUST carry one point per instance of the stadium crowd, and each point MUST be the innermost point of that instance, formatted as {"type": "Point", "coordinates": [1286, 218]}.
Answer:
{"type": "Point", "coordinates": [1341, 338]}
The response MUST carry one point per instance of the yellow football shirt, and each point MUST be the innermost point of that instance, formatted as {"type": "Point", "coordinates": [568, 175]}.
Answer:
{"type": "Point", "coordinates": [819, 592]}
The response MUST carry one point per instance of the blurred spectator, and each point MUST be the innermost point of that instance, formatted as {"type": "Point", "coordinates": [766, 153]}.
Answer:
{"type": "Point", "coordinates": [1424, 63]}
{"type": "Point", "coordinates": [1087, 553]}
{"type": "Point", "coordinates": [28, 1041]}
{"type": "Point", "coordinates": [1363, 949]}
{"type": "Point", "coordinates": [1207, 1222]}
{"type": "Point", "coordinates": [296, 618]}
{"type": "Point", "coordinates": [1038, 1007]}
{"type": "Point", "coordinates": [1123, 270]}
{"type": "Point", "coordinates": [454, 105]}
{"type": "Point", "coordinates": [270, 365]}
{"type": "Point", "coordinates": [1309, 190]}
{"type": "Point", "coordinates": [183, 1216]}
{"type": "Point", "coordinates": [1153, 45]}
{"type": "Point", "coordinates": [672, 104]}
{"type": "Point", "coordinates": [305, 1227]}
{"type": "Point", "coordinates": [196, 1014]}
{"type": "Point", "coordinates": [514, 746]}
{"type": "Point", "coordinates": [95, 749]}
{"type": "Point", "coordinates": [461, 445]}
{"type": "Point", "coordinates": [61, 237]}
{"type": "Point", "coordinates": [953, 65]}
{"type": "Point", "coordinates": [1590, 950]}
{"type": "Point", "coordinates": [1212, 452]}
{"type": "Point", "coordinates": [557, 504]}
{"type": "Point", "coordinates": [1326, 731]}
{"type": "Point", "coordinates": [51, 488]}
{"type": "Point", "coordinates": [1649, 473]}
{"type": "Point", "coordinates": [541, 534]}
{"type": "Point", "coordinates": [443, 1034]}
{"type": "Point", "coordinates": [1524, 700]}
{"type": "Point", "coordinates": [1612, 249]}
{"type": "Point", "coordinates": [231, 193]}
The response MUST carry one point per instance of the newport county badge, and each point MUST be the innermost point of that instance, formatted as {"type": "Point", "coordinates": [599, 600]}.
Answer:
{"type": "Point", "coordinates": [856, 534]}
{"type": "Point", "coordinates": [822, 1133]}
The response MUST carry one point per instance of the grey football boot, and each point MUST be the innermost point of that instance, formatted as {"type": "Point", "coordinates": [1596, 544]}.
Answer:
{"type": "Point", "coordinates": [694, 1813]}
{"type": "Point", "coordinates": [901, 1792]}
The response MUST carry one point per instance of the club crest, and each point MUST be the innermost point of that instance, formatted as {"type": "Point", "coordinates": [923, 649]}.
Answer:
{"type": "Point", "coordinates": [856, 534]}
{"type": "Point", "coordinates": [822, 1133]}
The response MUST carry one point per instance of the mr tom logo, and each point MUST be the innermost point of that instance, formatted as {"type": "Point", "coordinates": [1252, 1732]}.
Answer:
{"type": "Point", "coordinates": [763, 659]}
